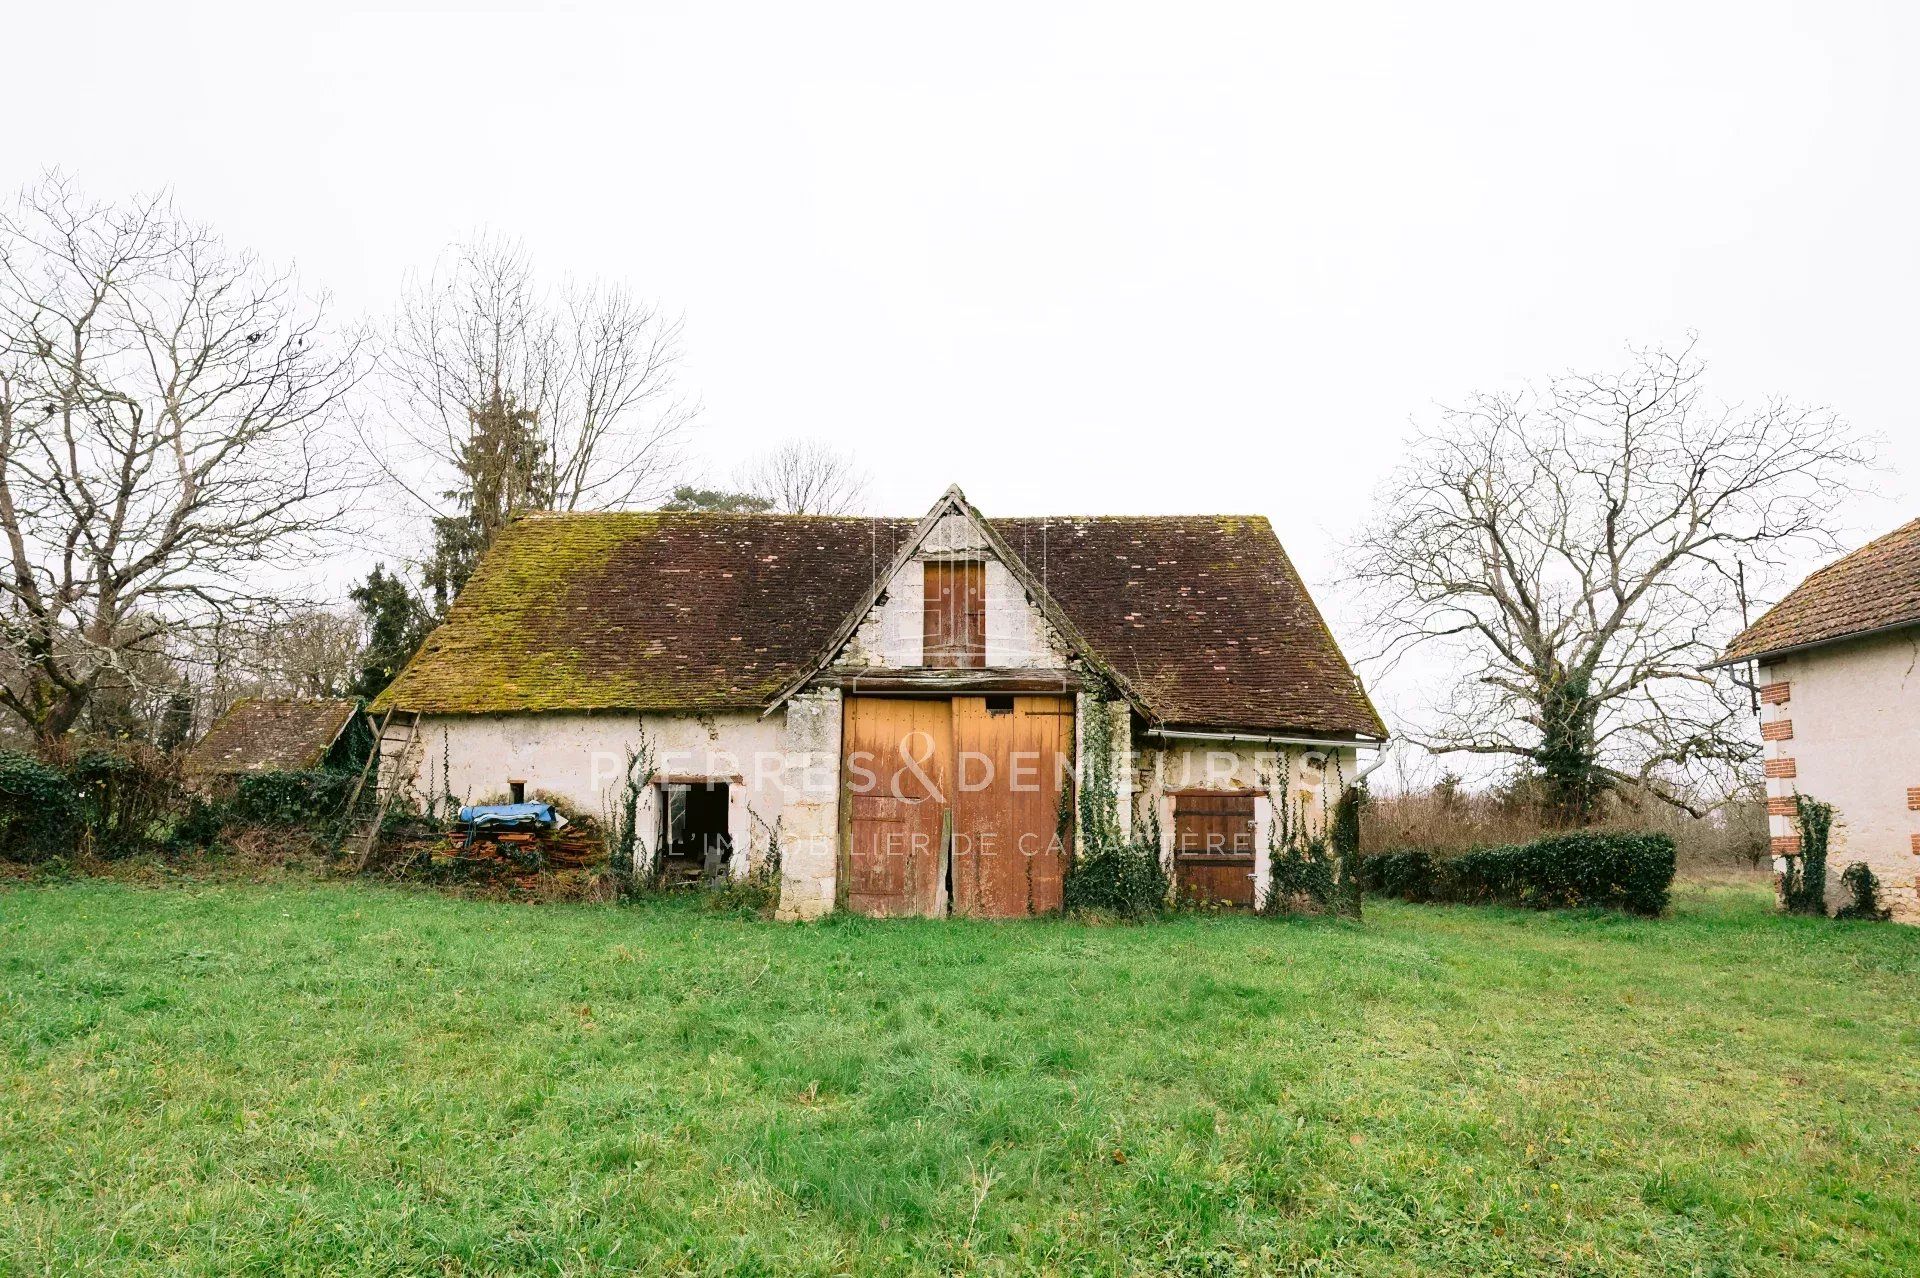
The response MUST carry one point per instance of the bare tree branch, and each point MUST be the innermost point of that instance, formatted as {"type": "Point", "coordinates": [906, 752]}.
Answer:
{"type": "Point", "coordinates": [592, 364]}
{"type": "Point", "coordinates": [805, 477]}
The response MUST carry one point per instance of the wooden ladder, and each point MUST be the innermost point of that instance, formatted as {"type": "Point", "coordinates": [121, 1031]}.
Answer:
{"type": "Point", "coordinates": [364, 819]}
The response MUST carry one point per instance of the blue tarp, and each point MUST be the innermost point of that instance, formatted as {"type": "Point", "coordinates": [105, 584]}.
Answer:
{"type": "Point", "coordinates": [509, 814]}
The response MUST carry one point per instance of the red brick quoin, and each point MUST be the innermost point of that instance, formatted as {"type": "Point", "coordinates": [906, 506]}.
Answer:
{"type": "Point", "coordinates": [1913, 798]}
{"type": "Point", "coordinates": [1781, 806]}
{"type": "Point", "coordinates": [1776, 694]}
{"type": "Point", "coordinates": [1778, 730]}
{"type": "Point", "coordinates": [1783, 768]}
{"type": "Point", "coordinates": [1785, 844]}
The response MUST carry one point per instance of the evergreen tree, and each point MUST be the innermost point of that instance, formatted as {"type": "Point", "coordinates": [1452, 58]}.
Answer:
{"type": "Point", "coordinates": [504, 472]}
{"type": "Point", "coordinates": [396, 624]}
{"type": "Point", "coordinates": [687, 498]}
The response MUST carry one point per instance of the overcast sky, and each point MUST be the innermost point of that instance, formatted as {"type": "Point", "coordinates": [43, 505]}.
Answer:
{"type": "Point", "coordinates": [1099, 258]}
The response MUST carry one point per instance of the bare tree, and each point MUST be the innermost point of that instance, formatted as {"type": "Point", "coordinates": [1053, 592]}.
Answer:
{"type": "Point", "coordinates": [588, 367]}
{"type": "Point", "coordinates": [301, 652]}
{"type": "Point", "coordinates": [805, 477]}
{"type": "Point", "coordinates": [167, 440]}
{"type": "Point", "coordinates": [1573, 554]}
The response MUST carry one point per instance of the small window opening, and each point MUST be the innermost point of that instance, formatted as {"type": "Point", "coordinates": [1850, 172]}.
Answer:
{"type": "Point", "coordinates": [517, 791]}
{"type": "Point", "coordinates": [1000, 705]}
{"type": "Point", "coordinates": [694, 831]}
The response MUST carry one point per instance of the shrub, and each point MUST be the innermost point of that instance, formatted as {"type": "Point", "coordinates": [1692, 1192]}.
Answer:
{"type": "Point", "coordinates": [127, 800]}
{"type": "Point", "coordinates": [40, 815]}
{"type": "Point", "coordinates": [1301, 876]}
{"type": "Point", "coordinates": [315, 800]}
{"type": "Point", "coordinates": [194, 823]}
{"type": "Point", "coordinates": [1631, 872]}
{"type": "Point", "coordinates": [1344, 834]}
{"type": "Point", "coordinates": [1113, 873]}
{"type": "Point", "coordinates": [1411, 875]}
{"type": "Point", "coordinates": [1123, 878]}
{"type": "Point", "coordinates": [1864, 887]}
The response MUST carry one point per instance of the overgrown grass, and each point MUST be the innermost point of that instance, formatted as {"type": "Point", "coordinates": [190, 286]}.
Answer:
{"type": "Point", "coordinates": [342, 1079]}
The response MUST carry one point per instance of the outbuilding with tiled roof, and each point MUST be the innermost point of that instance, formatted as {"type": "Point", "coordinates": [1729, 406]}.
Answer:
{"type": "Point", "coordinates": [281, 734]}
{"type": "Point", "coordinates": [761, 666]}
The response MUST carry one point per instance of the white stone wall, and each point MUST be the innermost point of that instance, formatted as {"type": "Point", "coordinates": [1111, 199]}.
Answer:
{"type": "Point", "coordinates": [810, 831]}
{"type": "Point", "coordinates": [579, 759]}
{"type": "Point", "coordinates": [1307, 780]}
{"type": "Point", "coordinates": [1842, 724]}
{"type": "Point", "coordinates": [784, 771]}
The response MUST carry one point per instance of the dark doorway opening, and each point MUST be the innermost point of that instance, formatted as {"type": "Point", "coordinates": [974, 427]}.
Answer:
{"type": "Point", "coordinates": [694, 831]}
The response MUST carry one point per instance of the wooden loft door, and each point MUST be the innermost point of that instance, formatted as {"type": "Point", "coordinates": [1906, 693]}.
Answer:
{"type": "Point", "coordinates": [956, 615]}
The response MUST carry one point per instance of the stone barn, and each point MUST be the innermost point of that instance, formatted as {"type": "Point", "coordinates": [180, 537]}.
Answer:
{"type": "Point", "coordinates": [894, 708]}
{"type": "Point", "coordinates": [1837, 666]}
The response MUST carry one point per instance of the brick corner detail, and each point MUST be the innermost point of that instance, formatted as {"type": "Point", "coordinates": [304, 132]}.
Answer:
{"type": "Point", "coordinates": [1776, 694]}
{"type": "Point", "coordinates": [1778, 730]}
{"type": "Point", "coordinates": [1785, 844]}
{"type": "Point", "coordinates": [1781, 769]}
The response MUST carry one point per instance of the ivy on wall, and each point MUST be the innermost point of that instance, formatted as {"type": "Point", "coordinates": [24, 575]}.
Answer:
{"type": "Point", "coordinates": [1803, 887]}
{"type": "Point", "coordinates": [1111, 873]}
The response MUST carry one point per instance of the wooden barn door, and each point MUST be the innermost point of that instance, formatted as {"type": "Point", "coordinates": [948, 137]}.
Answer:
{"type": "Point", "coordinates": [1213, 848]}
{"type": "Point", "coordinates": [897, 774]}
{"type": "Point", "coordinates": [1009, 752]}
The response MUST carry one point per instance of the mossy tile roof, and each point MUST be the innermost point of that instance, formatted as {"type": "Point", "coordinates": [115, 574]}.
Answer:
{"type": "Point", "coordinates": [270, 734]}
{"type": "Point", "coordinates": [1203, 615]}
{"type": "Point", "coordinates": [643, 611]}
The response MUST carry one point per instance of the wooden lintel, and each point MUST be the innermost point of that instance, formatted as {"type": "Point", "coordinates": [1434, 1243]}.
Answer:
{"type": "Point", "coordinates": [884, 681]}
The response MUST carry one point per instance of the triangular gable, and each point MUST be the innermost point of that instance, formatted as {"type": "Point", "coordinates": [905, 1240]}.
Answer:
{"type": "Point", "coordinates": [954, 504]}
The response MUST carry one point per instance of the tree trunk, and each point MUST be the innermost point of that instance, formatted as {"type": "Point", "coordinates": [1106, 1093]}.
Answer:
{"type": "Point", "coordinates": [1569, 756]}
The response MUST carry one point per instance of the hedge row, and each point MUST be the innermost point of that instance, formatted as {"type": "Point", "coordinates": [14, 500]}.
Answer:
{"type": "Point", "coordinates": [120, 806]}
{"type": "Point", "coordinates": [315, 799]}
{"type": "Point", "coordinates": [1631, 872]}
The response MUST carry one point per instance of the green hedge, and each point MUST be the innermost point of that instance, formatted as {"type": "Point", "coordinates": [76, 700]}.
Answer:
{"type": "Point", "coordinates": [1411, 875]}
{"type": "Point", "coordinates": [316, 798]}
{"type": "Point", "coordinates": [40, 811]}
{"type": "Point", "coordinates": [1631, 872]}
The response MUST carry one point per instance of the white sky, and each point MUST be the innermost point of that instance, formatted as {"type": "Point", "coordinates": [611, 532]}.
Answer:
{"type": "Point", "coordinates": [1080, 258]}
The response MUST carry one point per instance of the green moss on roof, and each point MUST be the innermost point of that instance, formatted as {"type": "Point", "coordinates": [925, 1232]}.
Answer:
{"type": "Point", "coordinates": [639, 611]}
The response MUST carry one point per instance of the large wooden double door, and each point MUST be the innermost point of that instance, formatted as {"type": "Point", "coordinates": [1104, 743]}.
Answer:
{"type": "Point", "coordinates": [954, 804]}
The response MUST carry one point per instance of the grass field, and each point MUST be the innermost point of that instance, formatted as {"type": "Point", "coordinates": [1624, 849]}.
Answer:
{"type": "Point", "coordinates": [343, 1079]}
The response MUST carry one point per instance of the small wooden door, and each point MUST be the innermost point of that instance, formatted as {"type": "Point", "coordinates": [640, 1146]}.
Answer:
{"type": "Point", "coordinates": [896, 775]}
{"type": "Point", "coordinates": [1011, 757]}
{"type": "Point", "coordinates": [955, 615]}
{"type": "Point", "coordinates": [1213, 848]}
